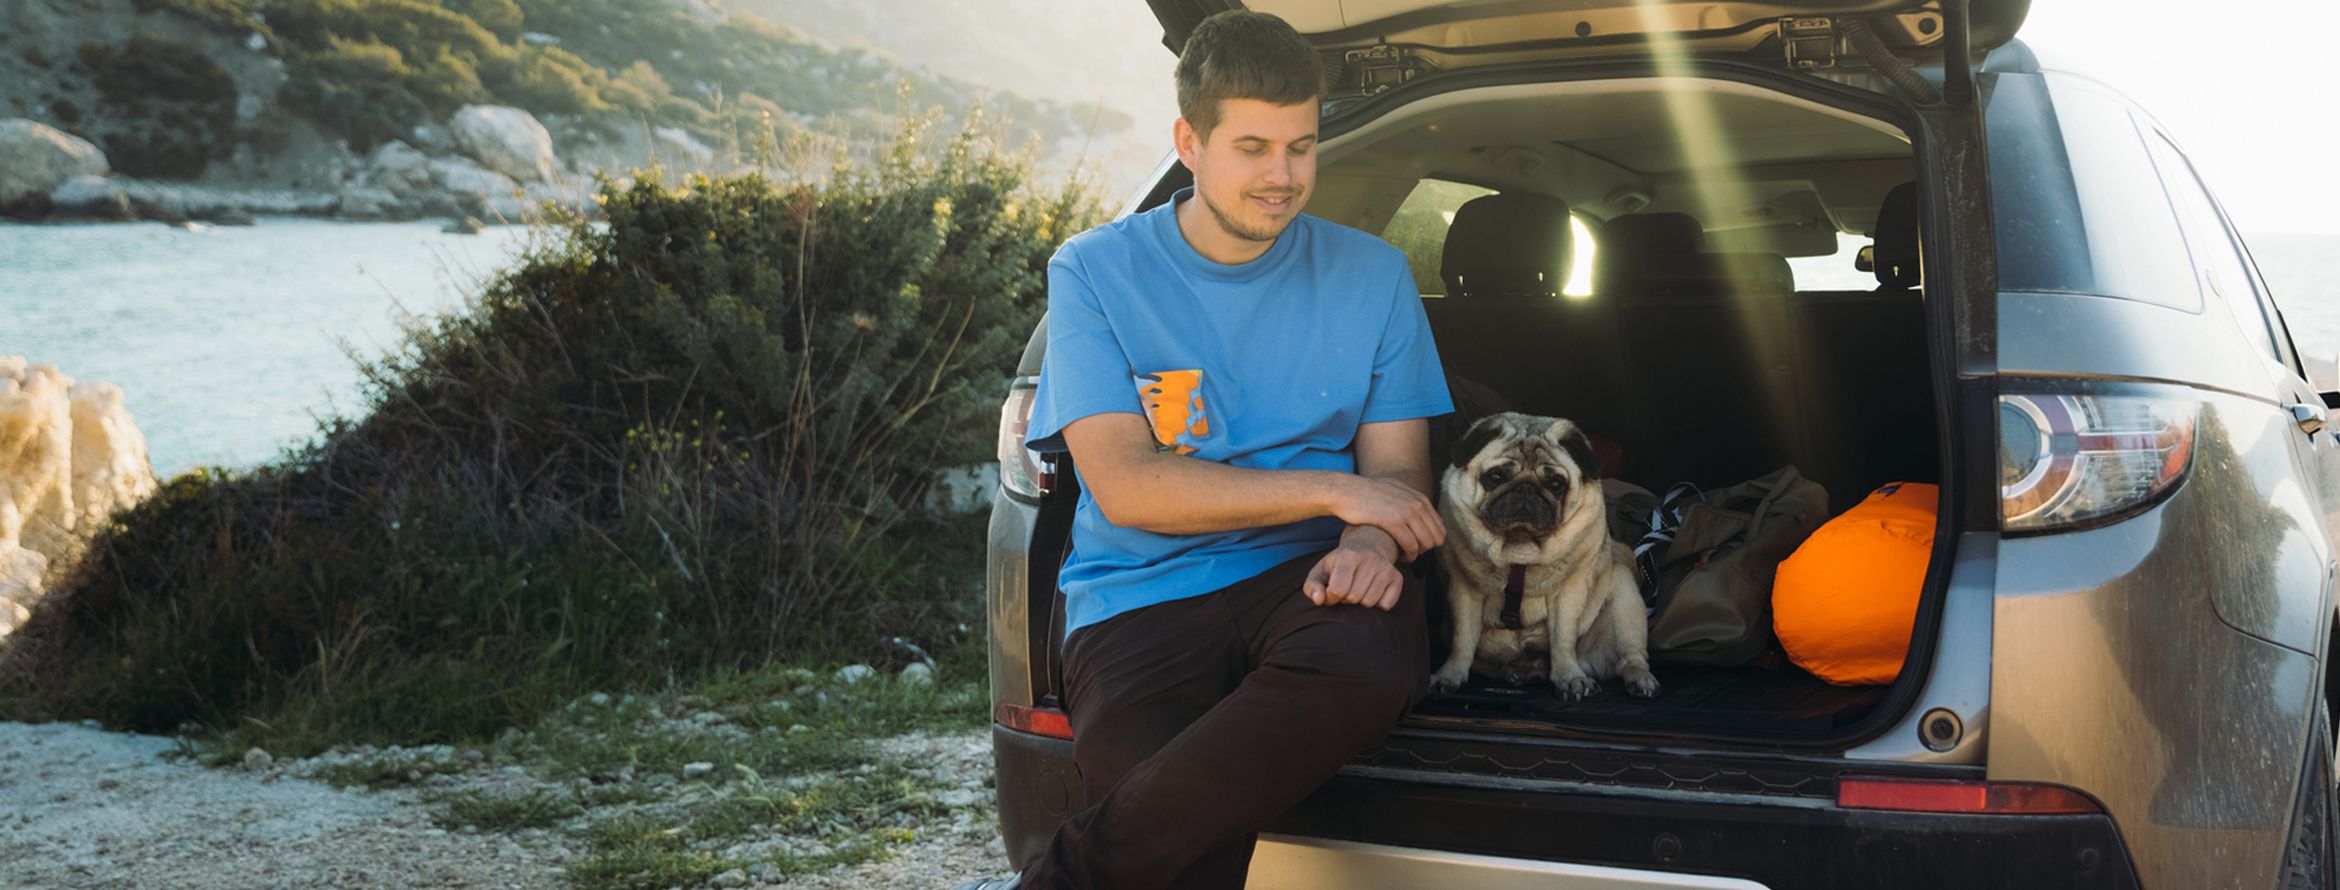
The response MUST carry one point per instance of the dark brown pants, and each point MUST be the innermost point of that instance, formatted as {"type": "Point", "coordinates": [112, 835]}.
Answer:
{"type": "Point", "coordinates": [1197, 721]}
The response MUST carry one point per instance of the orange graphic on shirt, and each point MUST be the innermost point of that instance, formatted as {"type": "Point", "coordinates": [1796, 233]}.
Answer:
{"type": "Point", "coordinates": [1174, 402]}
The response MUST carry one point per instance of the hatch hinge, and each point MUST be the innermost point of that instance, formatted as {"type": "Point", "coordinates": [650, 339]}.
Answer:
{"type": "Point", "coordinates": [1811, 42]}
{"type": "Point", "coordinates": [1375, 69]}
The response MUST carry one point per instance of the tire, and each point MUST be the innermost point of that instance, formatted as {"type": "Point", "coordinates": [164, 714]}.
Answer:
{"type": "Point", "coordinates": [2308, 862]}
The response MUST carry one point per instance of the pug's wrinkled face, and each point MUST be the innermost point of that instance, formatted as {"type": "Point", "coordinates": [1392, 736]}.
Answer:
{"type": "Point", "coordinates": [1519, 476]}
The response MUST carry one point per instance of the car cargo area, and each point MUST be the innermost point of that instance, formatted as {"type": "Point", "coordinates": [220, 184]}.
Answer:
{"type": "Point", "coordinates": [1712, 279]}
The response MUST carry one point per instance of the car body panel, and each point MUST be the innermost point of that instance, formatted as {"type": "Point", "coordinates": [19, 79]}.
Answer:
{"type": "Point", "coordinates": [2114, 673]}
{"type": "Point", "coordinates": [1286, 862]}
{"type": "Point", "coordinates": [1958, 687]}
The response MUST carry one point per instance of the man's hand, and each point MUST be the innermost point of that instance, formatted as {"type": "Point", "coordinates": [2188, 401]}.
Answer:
{"type": "Point", "coordinates": [1362, 570]}
{"type": "Point", "coordinates": [1398, 509]}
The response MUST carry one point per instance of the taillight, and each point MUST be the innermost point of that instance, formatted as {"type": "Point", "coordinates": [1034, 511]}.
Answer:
{"type": "Point", "coordinates": [1048, 722]}
{"type": "Point", "coordinates": [2066, 459]}
{"type": "Point", "coordinates": [1021, 470]}
{"type": "Point", "coordinates": [1952, 796]}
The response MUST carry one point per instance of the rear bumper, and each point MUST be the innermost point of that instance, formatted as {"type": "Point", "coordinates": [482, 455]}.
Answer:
{"type": "Point", "coordinates": [1374, 826]}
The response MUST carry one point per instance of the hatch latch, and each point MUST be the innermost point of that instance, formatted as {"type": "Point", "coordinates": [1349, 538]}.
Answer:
{"type": "Point", "coordinates": [1811, 42]}
{"type": "Point", "coordinates": [1377, 68]}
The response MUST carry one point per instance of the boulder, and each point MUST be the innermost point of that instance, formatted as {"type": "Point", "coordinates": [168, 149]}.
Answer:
{"type": "Point", "coordinates": [399, 168]}
{"type": "Point", "coordinates": [69, 456]}
{"type": "Point", "coordinates": [462, 177]}
{"type": "Point", "coordinates": [91, 197]}
{"type": "Point", "coordinates": [431, 139]}
{"type": "Point", "coordinates": [507, 140]}
{"type": "Point", "coordinates": [363, 200]}
{"type": "Point", "coordinates": [36, 158]}
{"type": "Point", "coordinates": [478, 191]}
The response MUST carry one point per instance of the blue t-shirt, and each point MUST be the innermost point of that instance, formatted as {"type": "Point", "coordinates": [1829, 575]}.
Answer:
{"type": "Point", "coordinates": [1269, 364]}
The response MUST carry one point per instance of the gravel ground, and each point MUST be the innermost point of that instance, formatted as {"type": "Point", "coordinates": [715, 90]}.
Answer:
{"type": "Point", "coordinates": [80, 807]}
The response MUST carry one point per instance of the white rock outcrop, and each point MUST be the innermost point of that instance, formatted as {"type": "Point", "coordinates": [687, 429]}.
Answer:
{"type": "Point", "coordinates": [70, 455]}
{"type": "Point", "coordinates": [461, 176]}
{"type": "Point", "coordinates": [399, 168]}
{"type": "Point", "coordinates": [91, 197]}
{"type": "Point", "coordinates": [36, 158]}
{"type": "Point", "coordinates": [507, 140]}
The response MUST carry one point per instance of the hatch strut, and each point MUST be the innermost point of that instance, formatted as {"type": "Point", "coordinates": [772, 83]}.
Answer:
{"type": "Point", "coordinates": [1957, 53]}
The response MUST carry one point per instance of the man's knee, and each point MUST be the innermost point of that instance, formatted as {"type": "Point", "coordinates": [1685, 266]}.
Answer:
{"type": "Point", "coordinates": [1382, 655]}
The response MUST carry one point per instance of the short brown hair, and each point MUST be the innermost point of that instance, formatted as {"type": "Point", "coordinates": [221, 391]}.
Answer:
{"type": "Point", "coordinates": [1241, 54]}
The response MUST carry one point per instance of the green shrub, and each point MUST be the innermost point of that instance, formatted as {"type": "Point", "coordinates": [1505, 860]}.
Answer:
{"type": "Point", "coordinates": [687, 441]}
{"type": "Point", "coordinates": [367, 113]}
{"type": "Point", "coordinates": [549, 79]}
{"type": "Point", "coordinates": [353, 61]}
{"type": "Point", "coordinates": [175, 109]}
{"type": "Point", "coordinates": [448, 81]}
{"type": "Point", "coordinates": [234, 16]}
{"type": "Point", "coordinates": [501, 16]}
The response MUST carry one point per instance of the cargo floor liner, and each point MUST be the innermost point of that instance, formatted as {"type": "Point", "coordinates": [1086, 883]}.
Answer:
{"type": "Point", "coordinates": [1747, 701]}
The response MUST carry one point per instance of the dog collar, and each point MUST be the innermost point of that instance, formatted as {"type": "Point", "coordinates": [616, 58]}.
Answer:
{"type": "Point", "coordinates": [1514, 588]}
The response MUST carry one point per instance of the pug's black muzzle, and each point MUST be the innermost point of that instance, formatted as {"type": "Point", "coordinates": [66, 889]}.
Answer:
{"type": "Point", "coordinates": [1522, 507]}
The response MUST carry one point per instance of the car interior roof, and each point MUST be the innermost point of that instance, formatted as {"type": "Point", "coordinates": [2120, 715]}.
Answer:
{"type": "Point", "coordinates": [1615, 146]}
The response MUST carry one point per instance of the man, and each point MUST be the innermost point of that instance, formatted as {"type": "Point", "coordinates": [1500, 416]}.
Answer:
{"type": "Point", "coordinates": [1245, 392]}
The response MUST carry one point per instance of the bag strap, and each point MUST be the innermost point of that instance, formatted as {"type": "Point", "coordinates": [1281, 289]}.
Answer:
{"type": "Point", "coordinates": [1664, 521]}
{"type": "Point", "coordinates": [1787, 477]}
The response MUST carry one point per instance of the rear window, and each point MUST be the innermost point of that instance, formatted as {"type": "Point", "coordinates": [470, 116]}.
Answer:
{"type": "Point", "coordinates": [2077, 203]}
{"type": "Point", "coordinates": [1419, 228]}
{"type": "Point", "coordinates": [1839, 271]}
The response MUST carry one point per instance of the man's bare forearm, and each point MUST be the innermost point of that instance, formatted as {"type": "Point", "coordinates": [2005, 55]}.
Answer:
{"type": "Point", "coordinates": [1174, 495]}
{"type": "Point", "coordinates": [1397, 452]}
{"type": "Point", "coordinates": [1137, 486]}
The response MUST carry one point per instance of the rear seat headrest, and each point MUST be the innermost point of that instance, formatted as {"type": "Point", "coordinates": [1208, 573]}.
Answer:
{"type": "Point", "coordinates": [1630, 244]}
{"type": "Point", "coordinates": [1896, 236]}
{"type": "Point", "coordinates": [1514, 244]}
{"type": "Point", "coordinates": [1709, 275]}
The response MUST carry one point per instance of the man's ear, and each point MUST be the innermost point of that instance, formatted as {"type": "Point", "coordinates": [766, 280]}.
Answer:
{"type": "Point", "coordinates": [1185, 141]}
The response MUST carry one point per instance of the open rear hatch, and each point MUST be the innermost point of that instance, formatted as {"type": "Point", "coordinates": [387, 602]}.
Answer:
{"type": "Point", "coordinates": [1382, 43]}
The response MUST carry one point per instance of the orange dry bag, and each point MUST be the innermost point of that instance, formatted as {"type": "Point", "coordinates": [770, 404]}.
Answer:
{"type": "Point", "coordinates": [1844, 602]}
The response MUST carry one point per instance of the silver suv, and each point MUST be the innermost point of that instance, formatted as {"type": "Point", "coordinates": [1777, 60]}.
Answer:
{"type": "Point", "coordinates": [1881, 241]}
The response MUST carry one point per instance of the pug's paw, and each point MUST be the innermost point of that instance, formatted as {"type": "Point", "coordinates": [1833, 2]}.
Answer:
{"type": "Point", "coordinates": [1575, 687]}
{"type": "Point", "coordinates": [1448, 678]}
{"type": "Point", "coordinates": [1640, 683]}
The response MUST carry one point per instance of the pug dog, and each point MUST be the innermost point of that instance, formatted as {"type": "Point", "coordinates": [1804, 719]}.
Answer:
{"type": "Point", "coordinates": [1536, 585]}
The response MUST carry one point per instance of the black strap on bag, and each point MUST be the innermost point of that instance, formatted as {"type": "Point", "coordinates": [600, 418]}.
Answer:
{"type": "Point", "coordinates": [1651, 549]}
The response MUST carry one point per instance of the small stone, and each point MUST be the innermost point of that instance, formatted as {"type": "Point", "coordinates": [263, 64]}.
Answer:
{"type": "Point", "coordinates": [257, 759]}
{"type": "Point", "coordinates": [798, 727]}
{"type": "Point", "coordinates": [108, 784]}
{"type": "Point", "coordinates": [918, 674]}
{"type": "Point", "coordinates": [855, 673]}
{"type": "Point", "coordinates": [732, 878]}
{"type": "Point", "coordinates": [599, 699]}
{"type": "Point", "coordinates": [698, 770]}
{"type": "Point", "coordinates": [764, 871]}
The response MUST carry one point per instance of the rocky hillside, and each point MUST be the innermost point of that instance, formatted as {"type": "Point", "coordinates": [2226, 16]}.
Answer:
{"type": "Point", "coordinates": [277, 106]}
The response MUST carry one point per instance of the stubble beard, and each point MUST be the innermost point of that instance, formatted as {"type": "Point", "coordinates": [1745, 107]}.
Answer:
{"type": "Point", "coordinates": [1238, 229]}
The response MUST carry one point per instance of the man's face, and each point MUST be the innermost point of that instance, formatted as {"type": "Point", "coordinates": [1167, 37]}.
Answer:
{"type": "Point", "coordinates": [1254, 170]}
